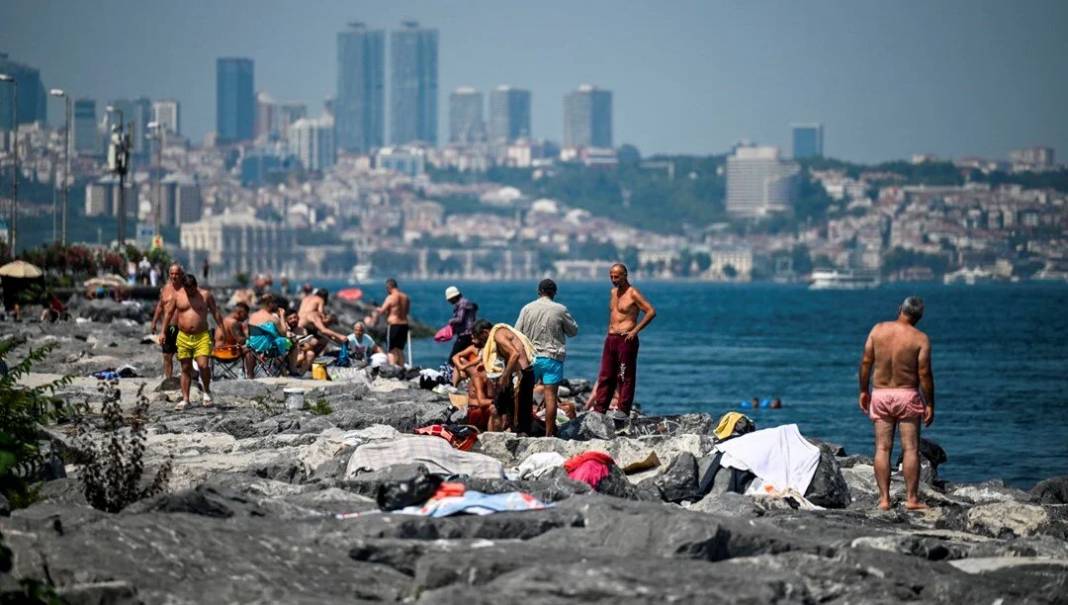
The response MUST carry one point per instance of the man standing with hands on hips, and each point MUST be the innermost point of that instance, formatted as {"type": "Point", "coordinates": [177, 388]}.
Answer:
{"type": "Point", "coordinates": [619, 360]}
{"type": "Point", "coordinates": [547, 324]}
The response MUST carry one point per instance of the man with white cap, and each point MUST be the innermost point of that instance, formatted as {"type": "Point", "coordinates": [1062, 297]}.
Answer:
{"type": "Point", "coordinates": [464, 315]}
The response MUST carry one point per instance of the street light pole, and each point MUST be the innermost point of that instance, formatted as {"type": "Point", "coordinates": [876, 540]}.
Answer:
{"type": "Point", "coordinates": [13, 231]}
{"type": "Point", "coordinates": [118, 159]}
{"type": "Point", "coordinates": [56, 92]}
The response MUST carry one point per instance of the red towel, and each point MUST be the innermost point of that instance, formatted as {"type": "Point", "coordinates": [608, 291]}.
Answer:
{"type": "Point", "coordinates": [589, 467]}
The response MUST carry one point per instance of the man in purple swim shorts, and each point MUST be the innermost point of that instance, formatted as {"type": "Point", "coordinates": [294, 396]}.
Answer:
{"type": "Point", "coordinates": [896, 366]}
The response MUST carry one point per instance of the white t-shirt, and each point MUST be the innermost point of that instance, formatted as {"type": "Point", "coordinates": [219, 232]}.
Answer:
{"type": "Point", "coordinates": [360, 349]}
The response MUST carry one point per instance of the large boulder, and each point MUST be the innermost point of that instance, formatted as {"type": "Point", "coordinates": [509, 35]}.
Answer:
{"type": "Point", "coordinates": [679, 481]}
{"type": "Point", "coordinates": [1051, 491]}
{"type": "Point", "coordinates": [591, 425]}
{"type": "Point", "coordinates": [828, 487]}
{"type": "Point", "coordinates": [105, 310]}
{"type": "Point", "coordinates": [1002, 519]}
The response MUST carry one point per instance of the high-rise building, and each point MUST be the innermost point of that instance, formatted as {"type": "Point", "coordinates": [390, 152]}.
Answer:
{"type": "Point", "coordinates": [588, 117]}
{"type": "Point", "coordinates": [413, 101]}
{"type": "Point", "coordinates": [807, 140]}
{"type": "Point", "coordinates": [361, 87]}
{"type": "Point", "coordinates": [760, 183]}
{"type": "Point", "coordinates": [273, 119]}
{"type": "Point", "coordinates": [466, 122]}
{"type": "Point", "coordinates": [166, 113]}
{"type": "Point", "coordinates": [181, 200]}
{"type": "Point", "coordinates": [235, 101]}
{"type": "Point", "coordinates": [509, 111]}
{"type": "Point", "coordinates": [312, 141]}
{"type": "Point", "coordinates": [32, 98]}
{"type": "Point", "coordinates": [1032, 158]}
{"type": "Point", "coordinates": [87, 139]}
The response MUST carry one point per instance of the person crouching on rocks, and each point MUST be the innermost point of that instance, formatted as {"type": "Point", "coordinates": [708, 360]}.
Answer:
{"type": "Point", "coordinates": [192, 306]}
{"type": "Point", "coordinates": [509, 352]}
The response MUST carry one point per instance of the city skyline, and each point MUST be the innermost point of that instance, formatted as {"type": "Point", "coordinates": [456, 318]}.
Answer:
{"type": "Point", "coordinates": [951, 79]}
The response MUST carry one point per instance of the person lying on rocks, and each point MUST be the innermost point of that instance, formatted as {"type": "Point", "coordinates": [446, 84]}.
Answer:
{"type": "Point", "coordinates": [900, 355]}
{"type": "Point", "coordinates": [508, 355]}
{"type": "Point", "coordinates": [233, 333]}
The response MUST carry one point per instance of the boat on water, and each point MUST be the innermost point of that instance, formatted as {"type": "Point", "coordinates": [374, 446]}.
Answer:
{"type": "Point", "coordinates": [361, 272]}
{"type": "Point", "coordinates": [842, 280]}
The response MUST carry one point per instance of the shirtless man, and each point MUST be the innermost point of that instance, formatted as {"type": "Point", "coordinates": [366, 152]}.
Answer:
{"type": "Point", "coordinates": [619, 359]}
{"type": "Point", "coordinates": [901, 358]}
{"type": "Point", "coordinates": [173, 285]}
{"type": "Point", "coordinates": [192, 305]}
{"type": "Point", "coordinates": [395, 308]}
{"type": "Point", "coordinates": [233, 332]}
{"type": "Point", "coordinates": [517, 407]}
{"type": "Point", "coordinates": [312, 317]}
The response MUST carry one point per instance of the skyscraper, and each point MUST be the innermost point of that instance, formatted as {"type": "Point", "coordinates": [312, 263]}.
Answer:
{"type": "Point", "coordinates": [466, 124]}
{"type": "Point", "coordinates": [361, 76]}
{"type": "Point", "coordinates": [413, 100]}
{"type": "Point", "coordinates": [509, 114]}
{"type": "Point", "coordinates": [808, 140]}
{"type": "Point", "coordinates": [312, 141]}
{"type": "Point", "coordinates": [87, 139]}
{"type": "Point", "coordinates": [32, 98]}
{"type": "Point", "coordinates": [588, 117]}
{"type": "Point", "coordinates": [759, 182]}
{"type": "Point", "coordinates": [235, 101]}
{"type": "Point", "coordinates": [166, 113]}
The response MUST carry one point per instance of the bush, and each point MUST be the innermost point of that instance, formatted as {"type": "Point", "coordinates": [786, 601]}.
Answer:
{"type": "Point", "coordinates": [111, 476]}
{"type": "Point", "coordinates": [21, 414]}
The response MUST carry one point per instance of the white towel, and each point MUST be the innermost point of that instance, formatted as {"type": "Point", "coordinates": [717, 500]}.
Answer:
{"type": "Point", "coordinates": [779, 456]}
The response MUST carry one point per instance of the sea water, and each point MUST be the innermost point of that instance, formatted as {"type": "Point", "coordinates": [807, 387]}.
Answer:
{"type": "Point", "coordinates": [999, 355]}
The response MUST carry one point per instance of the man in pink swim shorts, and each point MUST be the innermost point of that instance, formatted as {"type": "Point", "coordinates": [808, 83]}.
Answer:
{"type": "Point", "coordinates": [896, 366]}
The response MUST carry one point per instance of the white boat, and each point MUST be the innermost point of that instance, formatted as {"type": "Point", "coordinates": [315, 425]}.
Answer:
{"type": "Point", "coordinates": [968, 276]}
{"type": "Point", "coordinates": [842, 280]}
{"type": "Point", "coordinates": [361, 272]}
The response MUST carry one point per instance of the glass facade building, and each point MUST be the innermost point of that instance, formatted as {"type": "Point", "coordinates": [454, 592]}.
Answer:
{"type": "Point", "coordinates": [235, 100]}
{"type": "Point", "coordinates": [413, 100]}
{"type": "Point", "coordinates": [360, 102]}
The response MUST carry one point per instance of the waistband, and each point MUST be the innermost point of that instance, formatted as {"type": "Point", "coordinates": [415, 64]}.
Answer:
{"type": "Point", "coordinates": [897, 391]}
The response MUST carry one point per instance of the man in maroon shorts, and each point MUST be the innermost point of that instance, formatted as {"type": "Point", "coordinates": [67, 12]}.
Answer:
{"type": "Point", "coordinates": [619, 359]}
{"type": "Point", "coordinates": [901, 358]}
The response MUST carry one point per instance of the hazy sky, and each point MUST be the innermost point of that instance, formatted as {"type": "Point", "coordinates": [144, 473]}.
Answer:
{"type": "Point", "coordinates": [887, 79]}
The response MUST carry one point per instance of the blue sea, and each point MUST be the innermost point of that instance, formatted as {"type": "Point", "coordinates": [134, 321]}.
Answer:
{"type": "Point", "coordinates": [999, 355]}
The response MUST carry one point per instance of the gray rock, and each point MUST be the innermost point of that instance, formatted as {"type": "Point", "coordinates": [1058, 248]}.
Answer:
{"type": "Point", "coordinates": [1051, 491]}
{"type": "Point", "coordinates": [828, 487]}
{"type": "Point", "coordinates": [590, 425]}
{"type": "Point", "coordinates": [1007, 518]}
{"type": "Point", "coordinates": [679, 481]}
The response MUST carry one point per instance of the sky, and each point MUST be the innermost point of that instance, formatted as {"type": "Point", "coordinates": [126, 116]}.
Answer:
{"type": "Point", "coordinates": [887, 79]}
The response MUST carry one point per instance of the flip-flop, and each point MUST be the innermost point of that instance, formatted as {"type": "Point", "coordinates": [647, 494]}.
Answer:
{"type": "Point", "coordinates": [181, 405]}
{"type": "Point", "coordinates": [206, 401]}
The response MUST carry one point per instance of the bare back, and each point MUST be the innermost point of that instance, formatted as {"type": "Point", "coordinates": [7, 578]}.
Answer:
{"type": "Point", "coordinates": [898, 350]}
{"type": "Point", "coordinates": [623, 310]}
{"type": "Point", "coordinates": [192, 310]}
{"type": "Point", "coordinates": [311, 308]}
{"type": "Point", "coordinates": [399, 305]}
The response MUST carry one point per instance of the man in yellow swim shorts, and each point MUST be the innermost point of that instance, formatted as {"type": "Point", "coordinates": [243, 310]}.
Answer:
{"type": "Point", "coordinates": [192, 305]}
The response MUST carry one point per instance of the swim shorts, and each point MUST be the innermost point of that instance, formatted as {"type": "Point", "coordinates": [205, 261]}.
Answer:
{"type": "Point", "coordinates": [170, 343]}
{"type": "Point", "coordinates": [397, 337]}
{"type": "Point", "coordinates": [194, 345]}
{"type": "Point", "coordinates": [548, 371]}
{"type": "Point", "coordinates": [895, 404]}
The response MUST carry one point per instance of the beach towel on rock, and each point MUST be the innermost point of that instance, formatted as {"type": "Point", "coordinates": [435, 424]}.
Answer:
{"type": "Point", "coordinates": [779, 457]}
{"type": "Point", "coordinates": [436, 454]}
{"type": "Point", "coordinates": [476, 503]}
{"type": "Point", "coordinates": [537, 465]}
{"type": "Point", "coordinates": [589, 467]}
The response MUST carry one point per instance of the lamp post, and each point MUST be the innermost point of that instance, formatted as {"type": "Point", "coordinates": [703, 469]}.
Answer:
{"type": "Point", "coordinates": [13, 231]}
{"type": "Point", "coordinates": [56, 92]}
{"type": "Point", "coordinates": [118, 162]}
{"type": "Point", "coordinates": [158, 130]}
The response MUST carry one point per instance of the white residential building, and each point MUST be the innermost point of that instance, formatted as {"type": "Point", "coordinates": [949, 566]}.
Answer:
{"type": "Point", "coordinates": [312, 141]}
{"type": "Point", "coordinates": [760, 183]}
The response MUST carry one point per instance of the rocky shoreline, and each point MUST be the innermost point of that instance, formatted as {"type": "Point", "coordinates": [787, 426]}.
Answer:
{"type": "Point", "coordinates": [263, 507]}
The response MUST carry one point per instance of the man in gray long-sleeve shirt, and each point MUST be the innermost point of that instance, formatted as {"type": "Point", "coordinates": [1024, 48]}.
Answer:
{"type": "Point", "coordinates": [547, 324]}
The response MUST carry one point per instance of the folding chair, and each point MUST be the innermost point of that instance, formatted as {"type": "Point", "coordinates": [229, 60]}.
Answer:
{"type": "Point", "coordinates": [269, 365]}
{"type": "Point", "coordinates": [226, 362]}
{"type": "Point", "coordinates": [268, 359]}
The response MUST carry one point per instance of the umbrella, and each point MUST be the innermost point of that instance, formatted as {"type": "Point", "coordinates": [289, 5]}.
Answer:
{"type": "Point", "coordinates": [20, 269]}
{"type": "Point", "coordinates": [350, 294]}
{"type": "Point", "coordinates": [107, 281]}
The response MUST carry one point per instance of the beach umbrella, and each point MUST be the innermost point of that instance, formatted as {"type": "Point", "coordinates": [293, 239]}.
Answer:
{"type": "Point", "coordinates": [20, 269]}
{"type": "Point", "coordinates": [350, 294]}
{"type": "Point", "coordinates": [106, 281]}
